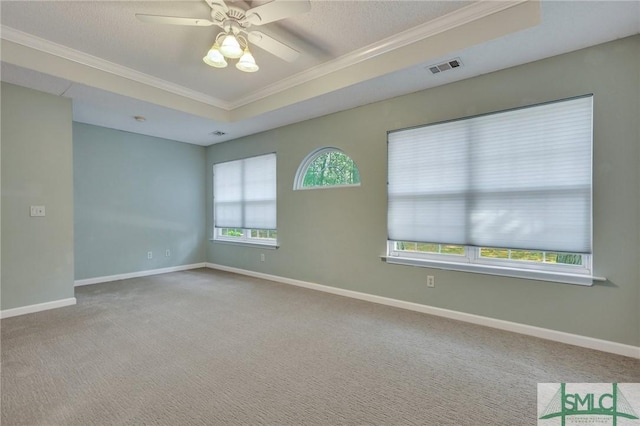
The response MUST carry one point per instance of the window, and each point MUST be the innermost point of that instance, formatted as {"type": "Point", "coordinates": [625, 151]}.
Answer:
{"type": "Point", "coordinates": [244, 200]}
{"type": "Point", "coordinates": [501, 191]}
{"type": "Point", "coordinates": [327, 167]}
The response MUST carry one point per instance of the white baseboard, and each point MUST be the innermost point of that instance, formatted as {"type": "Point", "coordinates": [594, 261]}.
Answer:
{"type": "Point", "coordinates": [7, 313]}
{"type": "Point", "coordinates": [14, 312]}
{"type": "Point", "coordinates": [529, 330]}
{"type": "Point", "coordinates": [97, 280]}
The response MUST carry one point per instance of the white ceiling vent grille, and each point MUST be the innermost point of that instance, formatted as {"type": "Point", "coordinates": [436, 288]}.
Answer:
{"type": "Point", "coordinates": [445, 66]}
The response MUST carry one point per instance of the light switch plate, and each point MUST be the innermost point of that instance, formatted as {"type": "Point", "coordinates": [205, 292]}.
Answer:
{"type": "Point", "coordinates": [37, 211]}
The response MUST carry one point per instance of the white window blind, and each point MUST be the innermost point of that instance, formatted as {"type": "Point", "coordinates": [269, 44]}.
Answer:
{"type": "Point", "coordinates": [515, 179]}
{"type": "Point", "coordinates": [244, 193]}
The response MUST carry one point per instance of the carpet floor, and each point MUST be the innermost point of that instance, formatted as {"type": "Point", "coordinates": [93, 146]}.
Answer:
{"type": "Point", "coordinates": [204, 347]}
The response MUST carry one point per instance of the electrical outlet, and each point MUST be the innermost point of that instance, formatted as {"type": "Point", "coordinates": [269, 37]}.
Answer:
{"type": "Point", "coordinates": [149, 255]}
{"type": "Point", "coordinates": [261, 257]}
{"type": "Point", "coordinates": [431, 281]}
{"type": "Point", "coordinates": [167, 253]}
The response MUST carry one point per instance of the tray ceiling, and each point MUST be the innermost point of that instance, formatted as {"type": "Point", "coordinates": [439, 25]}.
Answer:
{"type": "Point", "coordinates": [353, 52]}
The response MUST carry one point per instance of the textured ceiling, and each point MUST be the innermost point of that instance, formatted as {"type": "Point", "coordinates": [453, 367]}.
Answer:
{"type": "Point", "coordinates": [353, 53]}
{"type": "Point", "coordinates": [339, 27]}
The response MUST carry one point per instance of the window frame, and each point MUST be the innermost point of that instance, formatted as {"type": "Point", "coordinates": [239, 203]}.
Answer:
{"type": "Point", "coordinates": [298, 181]}
{"type": "Point", "coordinates": [472, 261]}
{"type": "Point", "coordinates": [472, 255]}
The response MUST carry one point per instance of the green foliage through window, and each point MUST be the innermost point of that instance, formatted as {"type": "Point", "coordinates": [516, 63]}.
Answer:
{"type": "Point", "coordinates": [532, 256]}
{"type": "Point", "coordinates": [264, 234]}
{"type": "Point", "coordinates": [328, 167]}
{"type": "Point", "coordinates": [230, 232]}
{"type": "Point", "coordinates": [429, 248]}
{"type": "Point", "coordinates": [247, 235]}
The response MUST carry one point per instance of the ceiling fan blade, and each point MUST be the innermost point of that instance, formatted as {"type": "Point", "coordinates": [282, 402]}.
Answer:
{"type": "Point", "coordinates": [174, 20]}
{"type": "Point", "coordinates": [276, 10]}
{"type": "Point", "coordinates": [218, 5]}
{"type": "Point", "coordinates": [273, 46]}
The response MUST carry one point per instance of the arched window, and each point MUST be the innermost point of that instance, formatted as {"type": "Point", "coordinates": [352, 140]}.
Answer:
{"type": "Point", "coordinates": [326, 167]}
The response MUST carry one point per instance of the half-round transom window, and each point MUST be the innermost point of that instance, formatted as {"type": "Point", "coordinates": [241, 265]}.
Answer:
{"type": "Point", "coordinates": [327, 167]}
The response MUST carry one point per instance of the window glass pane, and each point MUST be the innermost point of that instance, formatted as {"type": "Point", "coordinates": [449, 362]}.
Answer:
{"type": "Point", "coordinates": [429, 248]}
{"type": "Point", "coordinates": [451, 249]}
{"type": "Point", "coordinates": [327, 167]}
{"type": "Point", "coordinates": [494, 253]}
{"type": "Point", "coordinates": [564, 258]}
{"type": "Point", "coordinates": [231, 232]}
{"type": "Point", "coordinates": [532, 256]}
{"type": "Point", "coordinates": [405, 246]}
{"type": "Point", "coordinates": [263, 233]}
{"type": "Point", "coordinates": [528, 255]}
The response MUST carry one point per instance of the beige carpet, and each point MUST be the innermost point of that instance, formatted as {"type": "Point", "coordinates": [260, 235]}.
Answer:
{"type": "Point", "coordinates": [205, 347]}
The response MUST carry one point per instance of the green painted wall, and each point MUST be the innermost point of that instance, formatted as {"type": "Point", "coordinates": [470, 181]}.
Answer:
{"type": "Point", "coordinates": [37, 252]}
{"type": "Point", "coordinates": [135, 194]}
{"type": "Point", "coordinates": [336, 236]}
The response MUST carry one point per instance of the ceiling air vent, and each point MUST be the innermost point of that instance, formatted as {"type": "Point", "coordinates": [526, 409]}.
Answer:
{"type": "Point", "coordinates": [218, 133]}
{"type": "Point", "coordinates": [446, 66]}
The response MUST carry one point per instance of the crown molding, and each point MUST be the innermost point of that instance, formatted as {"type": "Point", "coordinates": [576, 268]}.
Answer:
{"type": "Point", "coordinates": [46, 46]}
{"type": "Point", "coordinates": [431, 28]}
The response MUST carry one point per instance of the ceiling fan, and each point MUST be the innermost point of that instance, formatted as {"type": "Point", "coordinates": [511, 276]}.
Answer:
{"type": "Point", "coordinates": [237, 25]}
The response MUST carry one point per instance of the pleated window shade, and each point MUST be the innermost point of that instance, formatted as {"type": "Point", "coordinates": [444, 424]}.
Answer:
{"type": "Point", "coordinates": [244, 193]}
{"type": "Point", "coordinates": [515, 179]}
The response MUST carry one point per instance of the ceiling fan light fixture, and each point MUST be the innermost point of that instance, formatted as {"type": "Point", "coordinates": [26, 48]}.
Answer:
{"type": "Point", "coordinates": [236, 23]}
{"type": "Point", "coordinates": [220, 64]}
{"type": "Point", "coordinates": [247, 62]}
{"type": "Point", "coordinates": [230, 47]}
{"type": "Point", "coordinates": [214, 58]}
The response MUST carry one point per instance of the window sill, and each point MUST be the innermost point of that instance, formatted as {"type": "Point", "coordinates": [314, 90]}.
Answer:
{"type": "Point", "coordinates": [267, 246]}
{"type": "Point", "coordinates": [560, 277]}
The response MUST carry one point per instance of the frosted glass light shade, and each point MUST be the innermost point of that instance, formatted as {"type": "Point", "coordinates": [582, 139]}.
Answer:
{"type": "Point", "coordinates": [214, 53]}
{"type": "Point", "coordinates": [247, 63]}
{"type": "Point", "coordinates": [230, 47]}
{"type": "Point", "coordinates": [214, 58]}
{"type": "Point", "coordinates": [209, 62]}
